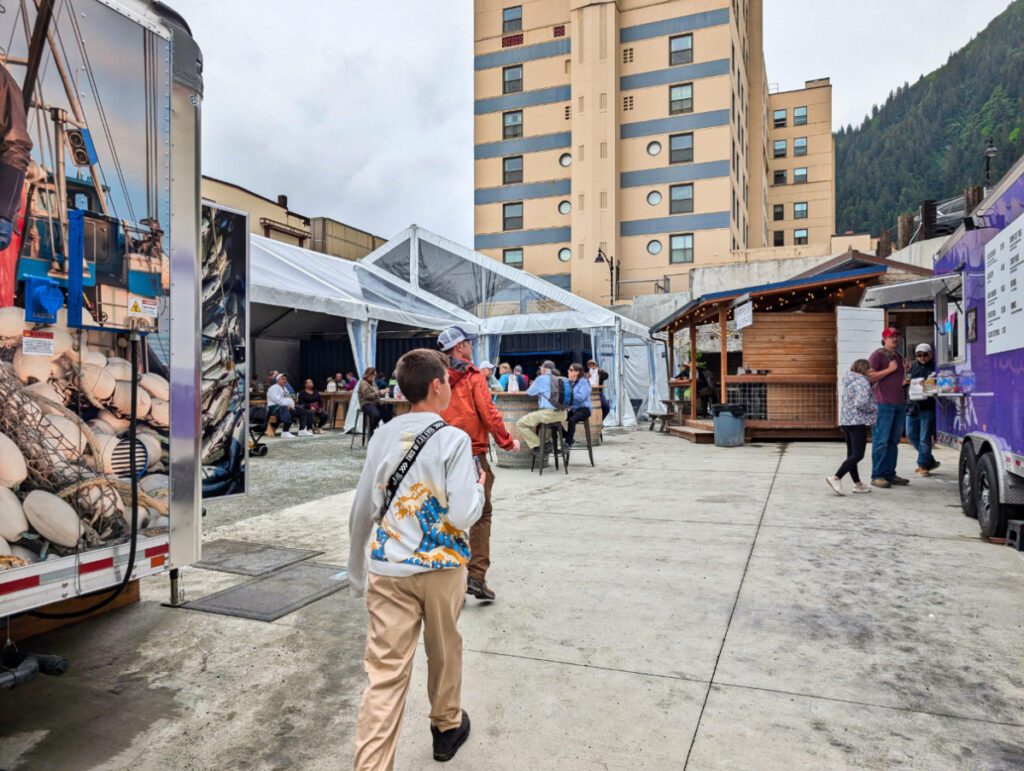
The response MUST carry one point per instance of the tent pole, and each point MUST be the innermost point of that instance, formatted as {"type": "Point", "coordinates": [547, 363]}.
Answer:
{"type": "Point", "coordinates": [722, 315]}
{"type": "Point", "coordinates": [693, 371]}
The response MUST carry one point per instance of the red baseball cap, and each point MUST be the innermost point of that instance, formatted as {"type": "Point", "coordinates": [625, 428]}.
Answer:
{"type": "Point", "coordinates": [890, 332]}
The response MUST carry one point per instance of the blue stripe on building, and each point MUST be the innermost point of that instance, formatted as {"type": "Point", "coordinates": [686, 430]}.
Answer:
{"type": "Point", "coordinates": [681, 74]}
{"type": "Point", "coordinates": [674, 26]}
{"type": "Point", "coordinates": [680, 223]}
{"type": "Point", "coordinates": [689, 122]}
{"type": "Point", "coordinates": [524, 145]}
{"type": "Point", "coordinates": [678, 172]}
{"type": "Point", "coordinates": [522, 99]}
{"type": "Point", "coordinates": [522, 192]}
{"type": "Point", "coordinates": [520, 54]}
{"type": "Point", "coordinates": [513, 238]}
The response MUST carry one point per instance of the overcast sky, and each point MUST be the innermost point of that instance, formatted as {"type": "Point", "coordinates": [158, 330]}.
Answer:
{"type": "Point", "coordinates": [363, 111]}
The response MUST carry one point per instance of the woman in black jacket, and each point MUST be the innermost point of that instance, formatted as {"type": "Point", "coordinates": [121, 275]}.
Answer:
{"type": "Point", "coordinates": [314, 415]}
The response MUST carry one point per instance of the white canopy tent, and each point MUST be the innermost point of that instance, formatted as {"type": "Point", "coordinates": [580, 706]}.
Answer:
{"type": "Point", "coordinates": [501, 300]}
{"type": "Point", "coordinates": [420, 280]}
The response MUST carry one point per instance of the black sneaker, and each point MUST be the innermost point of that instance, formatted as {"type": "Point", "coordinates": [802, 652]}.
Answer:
{"type": "Point", "coordinates": [447, 743]}
{"type": "Point", "coordinates": [896, 480]}
{"type": "Point", "coordinates": [479, 589]}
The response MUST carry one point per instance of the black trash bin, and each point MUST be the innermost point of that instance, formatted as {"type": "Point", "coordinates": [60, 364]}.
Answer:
{"type": "Point", "coordinates": [730, 424]}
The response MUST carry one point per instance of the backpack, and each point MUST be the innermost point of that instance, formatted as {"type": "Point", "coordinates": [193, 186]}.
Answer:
{"type": "Point", "coordinates": [560, 394]}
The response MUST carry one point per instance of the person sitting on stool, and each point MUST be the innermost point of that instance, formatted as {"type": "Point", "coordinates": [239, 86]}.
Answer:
{"type": "Point", "coordinates": [547, 413]}
{"type": "Point", "coordinates": [579, 406]}
{"type": "Point", "coordinates": [314, 415]}
{"type": "Point", "coordinates": [281, 404]}
{"type": "Point", "coordinates": [369, 401]}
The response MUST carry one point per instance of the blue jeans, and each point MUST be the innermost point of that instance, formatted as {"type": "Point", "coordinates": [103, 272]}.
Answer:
{"type": "Point", "coordinates": [920, 432]}
{"type": "Point", "coordinates": [885, 440]}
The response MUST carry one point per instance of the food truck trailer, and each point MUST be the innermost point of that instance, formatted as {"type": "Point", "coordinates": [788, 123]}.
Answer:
{"type": "Point", "coordinates": [99, 310]}
{"type": "Point", "coordinates": [978, 293]}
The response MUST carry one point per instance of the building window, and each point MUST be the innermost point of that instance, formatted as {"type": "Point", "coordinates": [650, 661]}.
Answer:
{"type": "Point", "coordinates": [513, 257]}
{"type": "Point", "coordinates": [779, 177]}
{"type": "Point", "coordinates": [654, 247]}
{"type": "Point", "coordinates": [779, 238]}
{"type": "Point", "coordinates": [680, 147]}
{"type": "Point", "coordinates": [627, 103]}
{"type": "Point", "coordinates": [512, 124]}
{"type": "Point", "coordinates": [564, 254]}
{"type": "Point", "coordinates": [800, 237]}
{"type": "Point", "coordinates": [512, 170]}
{"type": "Point", "coordinates": [779, 119]}
{"type": "Point", "coordinates": [680, 49]}
{"type": "Point", "coordinates": [779, 148]}
{"type": "Point", "coordinates": [799, 175]}
{"type": "Point", "coordinates": [513, 216]}
{"type": "Point", "coordinates": [653, 148]}
{"type": "Point", "coordinates": [654, 198]}
{"type": "Point", "coordinates": [778, 212]}
{"type": "Point", "coordinates": [800, 146]}
{"type": "Point", "coordinates": [680, 199]}
{"type": "Point", "coordinates": [681, 249]}
{"type": "Point", "coordinates": [800, 211]}
{"type": "Point", "coordinates": [680, 99]}
{"type": "Point", "coordinates": [564, 207]}
{"type": "Point", "coordinates": [627, 55]}
{"type": "Point", "coordinates": [565, 159]}
{"type": "Point", "coordinates": [512, 19]}
{"type": "Point", "coordinates": [512, 79]}
{"type": "Point", "coordinates": [799, 116]}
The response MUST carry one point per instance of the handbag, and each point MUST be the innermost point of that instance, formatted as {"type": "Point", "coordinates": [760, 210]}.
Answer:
{"type": "Point", "coordinates": [406, 464]}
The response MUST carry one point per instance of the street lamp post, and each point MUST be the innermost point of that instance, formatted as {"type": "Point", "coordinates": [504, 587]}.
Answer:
{"type": "Point", "coordinates": [990, 153]}
{"type": "Point", "coordinates": [613, 271]}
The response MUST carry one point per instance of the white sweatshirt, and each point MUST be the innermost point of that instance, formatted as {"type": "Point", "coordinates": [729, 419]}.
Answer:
{"type": "Point", "coordinates": [426, 527]}
{"type": "Point", "coordinates": [278, 397]}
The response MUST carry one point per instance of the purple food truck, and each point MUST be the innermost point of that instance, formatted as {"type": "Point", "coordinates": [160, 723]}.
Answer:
{"type": "Point", "coordinates": [979, 315]}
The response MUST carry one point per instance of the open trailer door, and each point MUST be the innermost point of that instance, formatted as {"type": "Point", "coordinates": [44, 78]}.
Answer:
{"type": "Point", "coordinates": [858, 335]}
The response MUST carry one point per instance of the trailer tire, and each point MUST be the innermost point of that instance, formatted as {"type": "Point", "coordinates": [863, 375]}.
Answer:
{"type": "Point", "coordinates": [967, 474]}
{"type": "Point", "coordinates": [992, 515]}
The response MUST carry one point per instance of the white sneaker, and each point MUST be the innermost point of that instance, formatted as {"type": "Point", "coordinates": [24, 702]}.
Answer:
{"type": "Point", "coordinates": [860, 487]}
{"type": "Point", "coordinates": [286, 435]}
{"type": "Point", "coordinates": [305, 432]}
{"type": "Point", "coordinates": [835, 484]}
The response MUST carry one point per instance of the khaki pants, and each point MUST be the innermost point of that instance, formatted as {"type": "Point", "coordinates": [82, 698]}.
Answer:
{"type": "Point", "coordinates": [527, 424]}
{"type": "Point", "coordinates": [480, 533]}
{"type": "Point", "coordinates": [398, 607]}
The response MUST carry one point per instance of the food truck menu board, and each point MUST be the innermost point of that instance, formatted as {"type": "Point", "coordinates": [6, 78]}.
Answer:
{"type": "Point", "coordinates": [1004, 290]}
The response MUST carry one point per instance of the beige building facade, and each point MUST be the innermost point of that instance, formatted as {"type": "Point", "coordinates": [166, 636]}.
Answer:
{"type": "Point", "coordinates": [633, 129]}
{"type": "Point", "coordinates": [273, 219]}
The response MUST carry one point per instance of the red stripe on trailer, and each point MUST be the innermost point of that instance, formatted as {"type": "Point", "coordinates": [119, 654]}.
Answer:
{"type": "Point", "coordinates": [92, 567]}
{"type": "Point", "coordinates": [153, 551]}
{"type": "Point", "coordinates": [8, 587]}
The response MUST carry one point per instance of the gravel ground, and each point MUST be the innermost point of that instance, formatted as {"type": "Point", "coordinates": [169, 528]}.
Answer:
{"type": "Point", "coordinates": [293, 471]}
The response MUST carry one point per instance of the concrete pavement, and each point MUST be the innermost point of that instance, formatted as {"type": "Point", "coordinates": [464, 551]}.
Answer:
{"type": "Point", "coordinates": [677, 606]}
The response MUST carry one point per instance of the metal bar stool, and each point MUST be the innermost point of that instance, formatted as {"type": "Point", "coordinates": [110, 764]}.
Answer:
{"type": "Point", "coordinates": [356, 430]}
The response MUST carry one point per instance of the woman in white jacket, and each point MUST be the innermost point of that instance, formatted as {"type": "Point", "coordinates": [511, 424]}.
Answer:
{"type": "Point", "coordinates": [857, 411]}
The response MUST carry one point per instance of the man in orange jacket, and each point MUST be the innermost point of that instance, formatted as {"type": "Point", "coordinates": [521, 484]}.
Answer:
{"type": "Point", "coordinates": [472, 409]}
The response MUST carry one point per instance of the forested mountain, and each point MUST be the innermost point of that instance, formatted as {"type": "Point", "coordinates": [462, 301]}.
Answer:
{"type": "Point", "coordinates": [928, 140]}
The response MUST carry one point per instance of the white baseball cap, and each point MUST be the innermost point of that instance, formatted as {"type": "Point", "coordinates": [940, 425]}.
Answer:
{"type": "Point", "coordinates": [452, 337]}
{"type": "Point", "coordinates": [485, 365]}
{"type": "Point", "coordinates": [923, 348]}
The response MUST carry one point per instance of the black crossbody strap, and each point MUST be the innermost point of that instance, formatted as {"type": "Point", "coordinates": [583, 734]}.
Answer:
{"type": "Point", "coordinates": [406, 464]}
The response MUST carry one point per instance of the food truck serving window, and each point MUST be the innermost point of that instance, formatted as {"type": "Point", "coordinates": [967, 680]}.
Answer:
{"type": "Point", "coordinates": [950, 318]}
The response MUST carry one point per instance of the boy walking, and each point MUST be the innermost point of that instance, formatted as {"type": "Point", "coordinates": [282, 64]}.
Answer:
{"type": "Point", "coordinates": [420, 492]}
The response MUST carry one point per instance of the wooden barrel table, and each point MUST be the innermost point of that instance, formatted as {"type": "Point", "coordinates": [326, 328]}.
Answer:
{"type": "Point", "coordinates": [596, 419]}
{"type": "Point", "coordinates": [513, 406]}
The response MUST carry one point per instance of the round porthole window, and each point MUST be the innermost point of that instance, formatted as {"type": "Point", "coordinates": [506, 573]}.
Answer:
{"type": "Point", "coordinates": [564, 207]}
{"type": "Point", "coordinates": [653, 148]}
{"type": "Point", "coordinates": [654, 247]}
{"type": "Point", "coordinates": [565, 159]}
{"type": "Point", "coordinates": [654, 198]}
{"type": "Point", "coordinates": [564, 254]}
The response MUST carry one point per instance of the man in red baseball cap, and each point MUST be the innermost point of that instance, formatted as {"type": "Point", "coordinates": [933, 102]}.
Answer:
{"type": "Point", "coordinates": [887, 374]}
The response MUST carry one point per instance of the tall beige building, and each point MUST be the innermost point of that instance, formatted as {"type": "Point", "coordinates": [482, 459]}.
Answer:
{"type": "Point", "coordinates": [637, 130]}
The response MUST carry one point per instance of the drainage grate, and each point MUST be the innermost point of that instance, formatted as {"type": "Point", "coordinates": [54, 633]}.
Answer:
{"type": "Point", "coordinates": [275, 595]}
{"type": "Point", "coordinates": [250, 559]}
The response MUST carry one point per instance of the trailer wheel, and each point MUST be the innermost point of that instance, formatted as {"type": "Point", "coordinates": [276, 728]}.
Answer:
{"type": "Point", "coordinates": [992, 514]}
{"type": "Point", "coordinates": [967, 474]}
